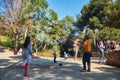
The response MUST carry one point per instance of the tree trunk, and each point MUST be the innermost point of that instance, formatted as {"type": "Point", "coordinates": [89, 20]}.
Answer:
{"type": "Point", "coordinates": [44, 46]}
{"type": "Point", "coordinates": [95, 41]}
{"type": "Point", "coordinates": [26, 32]}
{"type": "Point", "coordinates": [35, 45]}
{"type": "Point", "coordinates": [16, 40]}
{"type": "Point", "coordinates": [36, 49]}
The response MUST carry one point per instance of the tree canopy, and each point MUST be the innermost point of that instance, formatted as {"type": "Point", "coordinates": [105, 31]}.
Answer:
{"type": "Point", "coordinates": [93, 14]}
{"type": "Point", "coordinates": [34, 18]}
{"type": "Point", "coordinates": [113, 12]}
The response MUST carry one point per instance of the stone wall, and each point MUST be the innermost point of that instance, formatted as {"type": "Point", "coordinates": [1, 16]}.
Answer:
{"type": "Point", "coordinates": [113, 58]}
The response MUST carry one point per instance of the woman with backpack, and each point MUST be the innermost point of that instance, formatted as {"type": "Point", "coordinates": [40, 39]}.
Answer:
{"type": "Point", "coordinates": [27, 46]}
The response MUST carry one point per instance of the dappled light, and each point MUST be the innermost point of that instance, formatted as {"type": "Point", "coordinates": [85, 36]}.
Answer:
{"type": "Point", "coordinates": [46, 69]}
{"type": "Point", "coordinates": [59, 40]}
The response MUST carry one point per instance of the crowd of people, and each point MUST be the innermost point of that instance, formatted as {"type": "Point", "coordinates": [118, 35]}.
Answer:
{"type": "Point", "coordinates": [112, 45]}
{"type": "Point", "coordinates": [106, 46]}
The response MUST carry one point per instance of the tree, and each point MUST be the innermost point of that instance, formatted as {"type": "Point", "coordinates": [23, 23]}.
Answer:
{"type": "Point", "coordinates": [44, 22]}
{"type": "Point", "coordinates": [113, 12]}
{"type": "Point", "coordinates": [10, 15]}
{"type": "Point", "coordinates": [67, 23]}
{"type": "Point", "coordinates": [31, 8]}
{"type": "Point", "coordinates": [93, 14]}
{"type": "Point", "coordinates": [19, 14]}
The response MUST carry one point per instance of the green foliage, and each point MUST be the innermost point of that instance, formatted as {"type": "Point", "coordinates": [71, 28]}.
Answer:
{"type": "Point", "coordinates": [56, 47]}
{"type": "Point", "coordinates": [109, 34]}
{"type": "Point", "coordinates": [6, 42]}
{"type": "Point", "coordinates": [47, 53]}
{"type": "Point", "coordinates": [53, 14]}
{"type": "Point", "coordinates": [94, 21]}
{"type": "Point", "coordinates": [30, 7]}
{"type": "Point", "coordinates": [93, 14]}
{"type": "Point", "coordinates": [55, 32]}
{"type": "Point", "coordinates": [67, 25]}
{"type": "Point", "coordinates": [40, 32]}
{"type": "Point", "coordinates": [113, 12]}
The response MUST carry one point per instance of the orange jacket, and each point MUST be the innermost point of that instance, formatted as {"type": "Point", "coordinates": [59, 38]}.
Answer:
{"type": "Point", "coordinates": [87, 46]}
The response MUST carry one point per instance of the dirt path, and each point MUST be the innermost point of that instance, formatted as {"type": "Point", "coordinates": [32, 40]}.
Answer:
{"type": "Point", "coordinates": [45, 69]}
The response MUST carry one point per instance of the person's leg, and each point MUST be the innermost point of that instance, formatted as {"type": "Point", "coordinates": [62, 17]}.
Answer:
{"type": "Point", "coordinates": [27, 69]}
{"type": "Point", "coordinates": [84, 61]}
{"type": "Point", "coordinates": [75, 55]}
{"type": "Point", "coordinates": [103, 55]}
{"type": "Point", "coordinates": [55, 60]}
{"type": "Point", "coordinates": [100, 60]}
{"type": "Point", "coordinates": [89, 62]}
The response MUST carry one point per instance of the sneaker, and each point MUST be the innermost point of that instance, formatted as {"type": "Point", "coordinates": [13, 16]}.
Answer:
{"type": "Point", "coordinates": [83, 71]}
{"type": "Point", "coordinates": [88, 71]}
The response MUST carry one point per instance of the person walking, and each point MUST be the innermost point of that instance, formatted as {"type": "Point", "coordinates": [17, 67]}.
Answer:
{"type": "Point", "coordinates": [76, 49]}
{"type": "Point", "coordinates": [101, 48]}
{"type": "Point", "coordinates": [87, 54]}
{"type": "Point", "coordinates": [28, 46]}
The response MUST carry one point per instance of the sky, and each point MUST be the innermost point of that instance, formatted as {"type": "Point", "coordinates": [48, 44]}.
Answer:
{"type": "Point", "coordinates": [67, 7]}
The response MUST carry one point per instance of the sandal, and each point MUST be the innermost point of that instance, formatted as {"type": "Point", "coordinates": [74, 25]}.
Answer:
{"type": "Point", "coordinates": [26, 75]}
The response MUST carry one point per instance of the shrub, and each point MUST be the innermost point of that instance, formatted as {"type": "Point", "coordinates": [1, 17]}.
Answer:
{"type": "Point", "coordinates": [47, 53]}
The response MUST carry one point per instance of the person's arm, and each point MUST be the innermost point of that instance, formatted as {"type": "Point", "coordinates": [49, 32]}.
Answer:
{"type": "Point", "coordinates": [30, 48]}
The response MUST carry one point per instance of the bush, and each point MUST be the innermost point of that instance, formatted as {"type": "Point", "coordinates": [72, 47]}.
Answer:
{"type": "Point", "coordinates": [6, 42]}
{"type": "Point", "coordinates": [47, 53]}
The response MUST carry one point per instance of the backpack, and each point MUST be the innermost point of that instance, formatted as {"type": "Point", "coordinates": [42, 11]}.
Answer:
{"type": "Point", "coordinates": [25, 53]}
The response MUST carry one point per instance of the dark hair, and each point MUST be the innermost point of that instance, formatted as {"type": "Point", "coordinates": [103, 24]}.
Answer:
{"type": "Point", "coordinates": [86, 37]}
{"type": "Point", "coordinates": [27, 42]}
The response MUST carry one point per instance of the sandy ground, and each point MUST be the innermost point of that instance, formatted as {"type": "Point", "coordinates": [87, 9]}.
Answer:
{"type": "Point", "coordinates": [45, 69]}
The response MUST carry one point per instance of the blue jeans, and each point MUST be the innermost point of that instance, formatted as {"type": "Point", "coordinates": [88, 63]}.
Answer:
{"type": "Point", "coordinates": [86, 59]}
{"type": "Point", "coordinates": [102, 55]}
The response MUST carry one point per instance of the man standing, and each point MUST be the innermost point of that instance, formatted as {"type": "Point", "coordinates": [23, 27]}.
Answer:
{"type": "Point", "coordinates": [87, 53]}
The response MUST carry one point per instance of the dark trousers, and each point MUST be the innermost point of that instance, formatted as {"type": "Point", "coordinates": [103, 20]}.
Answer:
{"type": "Point", "coordinates": [86, 59]}
{"type": "Point", "coordinates": [55, 60]}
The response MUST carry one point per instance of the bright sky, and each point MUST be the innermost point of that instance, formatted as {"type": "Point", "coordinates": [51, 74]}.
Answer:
{"type": "Point", "coordinates": [67, 7]}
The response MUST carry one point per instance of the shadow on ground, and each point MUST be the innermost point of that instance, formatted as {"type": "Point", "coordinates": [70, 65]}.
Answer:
{"type": "Point", "coordinates": [45, 69]}
{"type": "Point", "coordinates": [2, 49]}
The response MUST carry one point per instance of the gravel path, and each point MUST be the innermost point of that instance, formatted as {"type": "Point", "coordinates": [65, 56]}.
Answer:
{"type": "Point", "coordinates": [45, 69]}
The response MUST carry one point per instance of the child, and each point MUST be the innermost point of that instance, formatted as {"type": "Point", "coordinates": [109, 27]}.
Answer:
{"type": "Point", "coordinates": [65, 55]}
{"type": "Point", "coordinates": [27, 45]}
{"type": "Point", "coordinates": [55, 56]}
{"type": "Point", "coordinates": [20, 51]}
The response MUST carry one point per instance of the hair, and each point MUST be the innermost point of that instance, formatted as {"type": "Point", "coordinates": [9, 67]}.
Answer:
{"type": "Point", "coordinates": [26, 42]}
{"type": "Point", "coordinates": [86, 37]}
